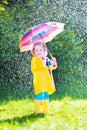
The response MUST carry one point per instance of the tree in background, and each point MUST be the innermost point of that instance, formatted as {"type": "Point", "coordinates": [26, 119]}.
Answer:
{"type": "Point", "coordinates": [16, 18]}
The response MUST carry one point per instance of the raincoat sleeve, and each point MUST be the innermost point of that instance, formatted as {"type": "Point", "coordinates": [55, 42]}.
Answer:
{"type": "Point", "coordinates": [36, 64]}
{"type": "Point", "coordinates": [53, 67]}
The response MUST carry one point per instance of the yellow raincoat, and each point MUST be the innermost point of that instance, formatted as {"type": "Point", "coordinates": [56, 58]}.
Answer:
{"type": "Point", "coordinates": [42, 80]}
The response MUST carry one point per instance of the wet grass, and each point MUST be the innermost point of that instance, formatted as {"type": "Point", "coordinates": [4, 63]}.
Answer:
{"type": "Point", "coordinates": [66, 114]}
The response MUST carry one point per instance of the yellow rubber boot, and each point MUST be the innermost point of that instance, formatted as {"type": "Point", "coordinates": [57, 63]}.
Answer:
{"type": "Point", "coordinates": [45, 107]}
{"type": "Point", "coordinates": [37, 106]}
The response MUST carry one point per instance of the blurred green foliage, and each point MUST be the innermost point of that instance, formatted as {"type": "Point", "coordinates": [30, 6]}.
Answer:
{"type": "Point", "coordinates": [69, 47]}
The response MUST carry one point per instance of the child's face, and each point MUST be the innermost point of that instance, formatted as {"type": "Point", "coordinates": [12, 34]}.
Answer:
{"type": "Point", "coordinates": [39, 51]}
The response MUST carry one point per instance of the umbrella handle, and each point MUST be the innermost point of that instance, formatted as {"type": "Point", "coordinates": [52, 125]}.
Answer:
{"type": "Point", "coordinates": [50, 53]}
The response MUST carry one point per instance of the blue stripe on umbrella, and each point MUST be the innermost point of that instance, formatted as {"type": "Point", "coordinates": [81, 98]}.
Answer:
{"type": "Point", "coordinates": [40, 34]}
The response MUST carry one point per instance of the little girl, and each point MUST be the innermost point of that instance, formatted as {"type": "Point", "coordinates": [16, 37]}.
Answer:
{"type": "Point", "coordinates": [41, 67]}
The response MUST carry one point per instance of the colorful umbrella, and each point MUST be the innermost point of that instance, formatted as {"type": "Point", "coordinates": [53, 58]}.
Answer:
{"type": "Point", "coordinates": [43, 32]}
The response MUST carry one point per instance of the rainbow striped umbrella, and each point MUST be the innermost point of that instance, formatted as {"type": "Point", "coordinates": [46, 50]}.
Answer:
{"type": "Point", "coordinates": [43, 32]}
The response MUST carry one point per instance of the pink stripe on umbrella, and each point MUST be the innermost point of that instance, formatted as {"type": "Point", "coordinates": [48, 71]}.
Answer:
{"type": "Point", "coordinates": [35, 31]}
{"type": "Point", "coordinates": [39, 38]}
{"type": "Point", "coordinates": [45, 32]}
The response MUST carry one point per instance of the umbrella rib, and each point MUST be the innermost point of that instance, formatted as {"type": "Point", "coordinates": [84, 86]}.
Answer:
{"type": "Point", "coordinates": [45, 35]}
{"type": "Point", "coordinates": [47, 47]}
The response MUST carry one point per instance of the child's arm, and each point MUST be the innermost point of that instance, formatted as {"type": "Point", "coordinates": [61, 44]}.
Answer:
{"type": "Point", "coordinates": [36, 64]}
{"type": "Point", "coordinates": [53, 63]}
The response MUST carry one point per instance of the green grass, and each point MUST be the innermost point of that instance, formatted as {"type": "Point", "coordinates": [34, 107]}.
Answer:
{"type": "Point", "coordinates": [66, 114]}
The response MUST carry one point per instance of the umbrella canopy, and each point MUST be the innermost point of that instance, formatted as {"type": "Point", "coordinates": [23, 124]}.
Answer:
{"type": "Point", "coordinates": [43, 32]}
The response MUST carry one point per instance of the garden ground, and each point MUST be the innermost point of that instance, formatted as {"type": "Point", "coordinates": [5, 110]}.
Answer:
{"type": "Point", "coordinates": [66, 114]}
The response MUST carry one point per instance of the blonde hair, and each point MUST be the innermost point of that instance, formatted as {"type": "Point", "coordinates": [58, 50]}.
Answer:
{"type": "Point", "coordinates": [41, 44]}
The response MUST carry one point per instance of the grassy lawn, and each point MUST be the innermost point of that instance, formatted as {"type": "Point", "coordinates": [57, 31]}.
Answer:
{"type": "Point", "coordinates": [66, 114]}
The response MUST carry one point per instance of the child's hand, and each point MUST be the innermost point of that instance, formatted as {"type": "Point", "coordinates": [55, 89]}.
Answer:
{"type": "Point", "coordinates": [53, 61]}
